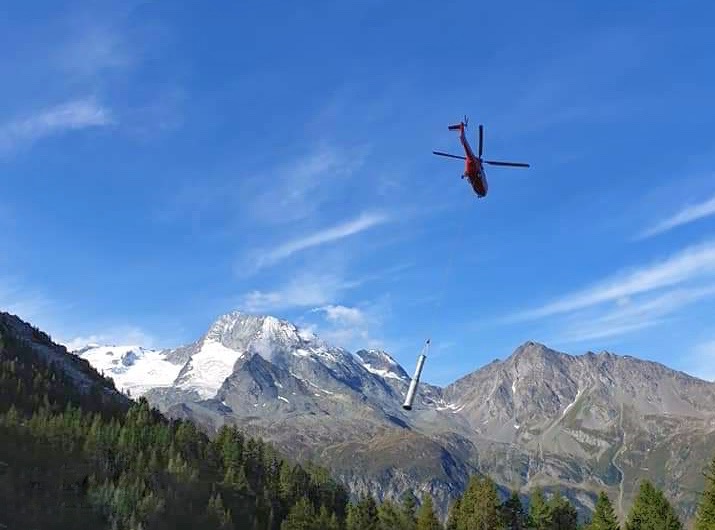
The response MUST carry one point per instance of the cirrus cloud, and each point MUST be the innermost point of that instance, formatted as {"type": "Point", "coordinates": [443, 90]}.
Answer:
{"type": "Point", "coordinates": [688, 214]}
{"type": "Point", "coordinates": [690, 263]}
{"type": "Point", "coordinates": [69, 116]}
{"type": "Point", "coordinates": [363, 222]}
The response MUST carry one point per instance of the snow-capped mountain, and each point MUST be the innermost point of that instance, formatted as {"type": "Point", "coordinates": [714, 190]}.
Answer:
{"type": "Point", "coordinates": [134, 369]}
{"type": "Point", "coordinates": [255, 356]}
{"type": "Point", "coordinates": [238, 336]}
{"type": "Point", "coordinates": [202, 369]}
{"type": "Point", "coordinates": [580, 423]}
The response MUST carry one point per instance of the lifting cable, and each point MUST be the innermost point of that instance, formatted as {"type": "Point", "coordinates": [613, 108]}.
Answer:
{"type": "Point", "coordinates": [412, 390]}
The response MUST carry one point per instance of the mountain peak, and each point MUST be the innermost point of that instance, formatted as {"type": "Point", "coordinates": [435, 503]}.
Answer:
{"type": "Point", "coordinates": [376, 355]}
{"type": "Point", "coordinates": [381, 363]}
{"type": "Point", "coordinates": [532, 345]}
{"type": "Point", "coordinates": [238, 327]}
{"type": "Point", "coordinates": [536, 351]}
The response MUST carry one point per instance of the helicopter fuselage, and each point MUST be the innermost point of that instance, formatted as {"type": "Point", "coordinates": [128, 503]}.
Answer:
{"type": "Point", "coordinates": [477, 175]}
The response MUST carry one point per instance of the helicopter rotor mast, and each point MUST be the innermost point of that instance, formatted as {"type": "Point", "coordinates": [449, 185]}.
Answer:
{"type": "Point", "coordinates": [480, 150]}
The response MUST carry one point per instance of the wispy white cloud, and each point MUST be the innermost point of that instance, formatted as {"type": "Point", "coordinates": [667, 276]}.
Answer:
{"type": "Point", "coordinates": [691, 263]}
{"type": "Point", "coordinates": [328, 235]}
{"type": "Point", "coordinates": [631, 315]}
{"type": "Point", "coordinates": [306, 290]}
{"type": "Point", "coordinates": [73, 115]}
{"type": "Point", "coordinates": [345, 327]}
{"type": "Point", "coordinates": [343, 315]}
{"type": "Point", "coordinates": [688, 214]}
{"type": "Point", "coordinates": [631, 300]}
{"type": "Point", "coordinates": [297, 189]}
{"type": "Point", "coordinates": [322, 293]}
{"type": "Point", "coordinates": [287, 192]}
{"type": "Point", "coordinates": [351, 327]}
{"type": "Point", "coordinates": [660, 305]}
{"type": "Point", "coordinates": [596, 331]}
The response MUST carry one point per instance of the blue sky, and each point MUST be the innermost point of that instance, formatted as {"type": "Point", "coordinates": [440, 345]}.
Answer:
{"type": "Point", "coordinates": [163, 163]}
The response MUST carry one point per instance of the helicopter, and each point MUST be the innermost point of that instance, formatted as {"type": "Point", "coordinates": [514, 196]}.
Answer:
{"type": "Point", "coordinates": [474, 165]}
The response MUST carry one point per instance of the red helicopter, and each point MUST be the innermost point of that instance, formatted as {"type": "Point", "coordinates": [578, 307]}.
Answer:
{"type": "Point", "coordinates": [474, 165]}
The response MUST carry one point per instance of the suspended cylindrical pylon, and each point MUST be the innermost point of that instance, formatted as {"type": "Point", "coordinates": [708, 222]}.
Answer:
{"type": "Point", "coordinates": [412, 391]}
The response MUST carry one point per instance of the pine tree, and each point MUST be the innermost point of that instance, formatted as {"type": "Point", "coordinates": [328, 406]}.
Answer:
{"type": "Point", "coordinates": [604, 517]}
{"type": "Point", "coordinates": [539, 511]}
{"type": "Point", "coordinates": [12, 417]}
{"type": "Point", "coordinates": [467, 505]}
{"type": "Point", "coordinates": [388, 516]}
{"type": "Point", "coordinates": [352, 517]}
{"type": "Point", "coordinates": [236, 478]}
{"type": "Point", "coordinates": [363, 515]}
{"type": "Point", "coordinates": [326, 520]}
{"type": "Point", "coordinates": [563, 514]}
{"type": "Point", "coordinates": [426, 519]}
{"type": "Point", "coordinates": [286, 482]}
{"type": "Point", "coordinates": [301, 517]}
{"type": "Point", "coordinates": [452, 518]}
{"type": "Point", "coordinates": [408, 510]}
{"type": "Point", "coordinates": [480, 505]}
{"type": "Point", "coordinates": [513, 515]}
{"type": "Point", "coordinates": [369, 510]}
{"type": "Point", "coordinates": [706, 509]}
{"type": "Point", "coordinates": [652, 511]}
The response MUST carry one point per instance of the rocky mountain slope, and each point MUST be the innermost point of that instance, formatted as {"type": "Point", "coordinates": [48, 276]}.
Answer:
{"type": "Point", "coordinates": [579, 423]}
{"type": "Point", "coordinates": [84, 378]}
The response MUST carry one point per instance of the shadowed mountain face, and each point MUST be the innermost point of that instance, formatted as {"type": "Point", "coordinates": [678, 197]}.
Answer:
{"type": "Point", "coordinates": [540, 417]}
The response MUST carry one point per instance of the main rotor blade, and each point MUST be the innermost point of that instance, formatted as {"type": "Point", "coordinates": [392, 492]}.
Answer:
{"type": "Point", "coordinates": [512, 164]}
{"type": "Point", "coordinates": [481, 139]}
{"type": "Point", "coordinates": [447, 154]}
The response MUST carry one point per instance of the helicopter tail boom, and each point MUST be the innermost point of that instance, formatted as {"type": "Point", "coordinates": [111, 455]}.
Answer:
{"type": "Point", "coordinates": [458, 126]}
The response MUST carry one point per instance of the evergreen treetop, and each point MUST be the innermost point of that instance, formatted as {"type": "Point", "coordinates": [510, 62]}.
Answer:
{"type": "Point", "coordinates": [652, 511]}
{"type": "Point", "coordinates": [426, 518]}
{"type": "Point", "coordinates": [604, 517]}
{"type": "Point", "coordinates": [705, 518]}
